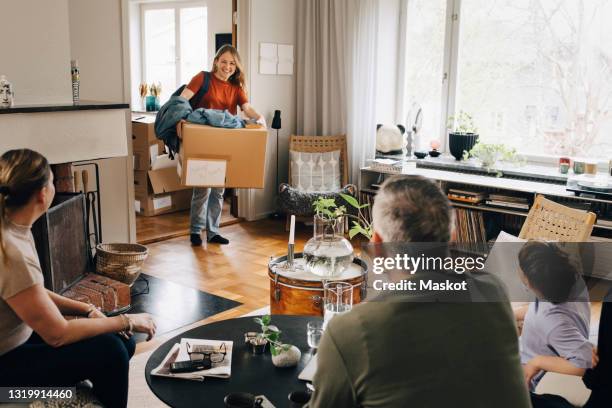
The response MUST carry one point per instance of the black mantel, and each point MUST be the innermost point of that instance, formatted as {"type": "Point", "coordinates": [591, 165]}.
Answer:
{"type": "Point", "coordinates": [62, 107]}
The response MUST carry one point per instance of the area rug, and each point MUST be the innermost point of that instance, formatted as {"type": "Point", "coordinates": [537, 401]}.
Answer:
{"type": "Point", "coordinates": [173, 305]}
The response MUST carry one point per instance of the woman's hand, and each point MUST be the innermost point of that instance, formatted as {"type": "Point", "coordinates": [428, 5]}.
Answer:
{"type": "Point", "coordinates": [95, 313]}
{"type": "Point", "coordinates": [143, 323]}
{"type": "Point", "coordinates": [262, 121]}
{"type": "Point", "coordinates": [594, 357]}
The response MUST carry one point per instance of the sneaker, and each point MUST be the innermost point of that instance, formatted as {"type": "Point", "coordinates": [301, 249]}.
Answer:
{"type": "Point", "coordinates": [218, 239]}
{"type": "Point", "coordinates": [196, 239]}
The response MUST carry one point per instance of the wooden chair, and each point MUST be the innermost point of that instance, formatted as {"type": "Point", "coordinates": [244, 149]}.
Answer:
{"type": "Point", "coordinates": [320, 144]}
{"type": "Point", "coordinates": [548, 220]}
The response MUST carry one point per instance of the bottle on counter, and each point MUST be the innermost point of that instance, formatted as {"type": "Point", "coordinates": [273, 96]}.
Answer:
{"type": "Point", "coordinates": [76, 80]}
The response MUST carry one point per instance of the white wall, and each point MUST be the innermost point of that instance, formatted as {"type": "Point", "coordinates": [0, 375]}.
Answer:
{"type": "Point", "coordinates": [388, 42]}
{"type": "Point", "coordinates": [36, 50]}
{"type": "Point", "coordinates": [96, 40]}
{"type": "Point", "coordinates": [272, 21]}
{"type": "Point", "coordinates": [219, 21]}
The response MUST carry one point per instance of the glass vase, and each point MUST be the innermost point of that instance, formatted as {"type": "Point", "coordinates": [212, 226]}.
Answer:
{"type": "Point", "coordinates": [328, 253]}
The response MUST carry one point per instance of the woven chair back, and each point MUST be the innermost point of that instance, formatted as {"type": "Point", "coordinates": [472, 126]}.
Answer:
{"type": "Point", "coordinates": [548, 220]}
{"type": "Point", "coordinates": [321, 144]}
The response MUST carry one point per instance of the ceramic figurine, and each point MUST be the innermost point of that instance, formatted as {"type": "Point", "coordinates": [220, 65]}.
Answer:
{"type": "Point", "coordinates": [6, 93]}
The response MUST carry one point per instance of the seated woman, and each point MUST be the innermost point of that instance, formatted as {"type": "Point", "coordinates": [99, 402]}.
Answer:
{"type": "Point", "coordinates": [555, 334]}
{"type": "Point", "coordinates": [38, 346]}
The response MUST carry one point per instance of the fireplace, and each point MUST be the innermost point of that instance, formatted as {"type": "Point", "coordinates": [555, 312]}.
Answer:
{"type": "Point", "coordinates": [61, 241]}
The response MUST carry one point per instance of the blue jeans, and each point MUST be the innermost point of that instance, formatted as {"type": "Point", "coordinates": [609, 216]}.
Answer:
{"type": "Point", "coordinates": [206, 206]}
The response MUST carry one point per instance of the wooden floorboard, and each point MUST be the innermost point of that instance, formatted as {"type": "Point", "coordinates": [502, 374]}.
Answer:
{"type": "Point", "coordinates": [173, 225]}
{"type": "Point", "coordinates": [238, 271]}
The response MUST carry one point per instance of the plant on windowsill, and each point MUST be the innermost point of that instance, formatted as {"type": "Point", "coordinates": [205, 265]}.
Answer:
{"type": "Point", "coordinates": [283, 355]}
{"type": "Point", "coordinates": [490, 154]}
{"type": "Point", "coordinates": [463, 134]}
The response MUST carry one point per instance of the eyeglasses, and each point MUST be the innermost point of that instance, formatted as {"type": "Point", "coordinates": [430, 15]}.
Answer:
{"type": "Point", "coordinates": [204, 352]}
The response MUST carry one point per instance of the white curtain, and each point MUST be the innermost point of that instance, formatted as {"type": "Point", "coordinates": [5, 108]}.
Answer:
{"type": "Point", "coordinates": [336, 73]}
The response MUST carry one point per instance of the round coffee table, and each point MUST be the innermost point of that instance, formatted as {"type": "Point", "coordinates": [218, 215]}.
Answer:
{"type": "Point", "coordinates": [250, 373]}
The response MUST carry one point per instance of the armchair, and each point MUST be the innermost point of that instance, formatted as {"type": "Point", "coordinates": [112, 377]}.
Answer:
{"type": "Point", "coordinates": [297, 201]}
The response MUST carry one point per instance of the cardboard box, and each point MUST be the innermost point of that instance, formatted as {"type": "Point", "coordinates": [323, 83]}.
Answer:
{"type": "Point", "coordinates": [217, 157]}
{"type": "Point", "coordinates": [151, 205]}
{"type": "Point", "coordinates": [143, 133]}
{"type": "Point", "coordinates": [143, 159]}
{"type": "Point", "coordinates": [154, 182]}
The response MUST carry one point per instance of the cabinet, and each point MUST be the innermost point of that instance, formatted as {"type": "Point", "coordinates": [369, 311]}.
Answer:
{"type": "Point", "coordinates": [486, 219]}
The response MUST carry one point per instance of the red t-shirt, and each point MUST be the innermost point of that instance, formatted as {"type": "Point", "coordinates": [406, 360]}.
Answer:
{"type": "Point", "coordinates": [221, 95]}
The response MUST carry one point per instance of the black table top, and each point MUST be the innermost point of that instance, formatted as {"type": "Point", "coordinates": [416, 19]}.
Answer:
{"type": "Point", "coordinates": [250, 373]}
{"type": "Point", "coordinates": [63, 107]}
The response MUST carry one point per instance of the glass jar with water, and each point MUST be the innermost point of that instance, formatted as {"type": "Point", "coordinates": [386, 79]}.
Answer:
{"type": "Point", "coordinates": [328, 253]}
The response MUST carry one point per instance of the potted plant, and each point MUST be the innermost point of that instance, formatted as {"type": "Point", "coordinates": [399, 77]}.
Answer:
{"type": "Point", "coordinates": [463, 135]}
{"type": "Point", "coordinates": [283, 355]}
{"type": "Point", "coordinates": [328, 253]}
{"type": "Point", "coordinates": [489, 154]}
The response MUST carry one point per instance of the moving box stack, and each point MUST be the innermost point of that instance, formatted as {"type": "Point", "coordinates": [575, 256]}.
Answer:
{"type": "Point", "coordinates": [157, 186]}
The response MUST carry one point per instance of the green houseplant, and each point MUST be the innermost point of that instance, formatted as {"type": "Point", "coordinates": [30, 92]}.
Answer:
{"type": "Point", "coordinates": [283, 355]}
{"type": "Point", "coordinates": [327, 208]}
{"type": "Point", "coordinates": [463, 134]}
{"type": "Point", "coordinates": [490, 153]}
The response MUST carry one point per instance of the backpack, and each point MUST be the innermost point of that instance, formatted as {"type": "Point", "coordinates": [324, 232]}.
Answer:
{"type": "Point", "coordinates": [195, 99]}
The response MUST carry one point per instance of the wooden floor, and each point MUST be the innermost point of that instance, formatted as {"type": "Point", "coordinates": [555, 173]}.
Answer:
{"type": "Point", "coordinates": [166, 226]}
{"type": "Point", "coordinates": [236, 271]}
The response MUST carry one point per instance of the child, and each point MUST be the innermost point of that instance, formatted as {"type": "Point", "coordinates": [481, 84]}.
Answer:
{"type": "Point", "coordinates": [556, 326]}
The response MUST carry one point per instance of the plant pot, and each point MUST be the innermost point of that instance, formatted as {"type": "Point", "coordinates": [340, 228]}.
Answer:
{"type": "Point", "coordinates": [460, 142]}
{"type": "Point", "coordinates": [258, 345]}
{"type": "Point", "coordinates": [287, 358]}
{"type": "Point", "coordinates": [328, 253]}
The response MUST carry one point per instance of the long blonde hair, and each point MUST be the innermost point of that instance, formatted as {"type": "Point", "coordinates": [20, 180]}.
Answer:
{"type": "Point", "coordinates": [23, 173]}
{"type": "Point", "coordinates": [239, 77]}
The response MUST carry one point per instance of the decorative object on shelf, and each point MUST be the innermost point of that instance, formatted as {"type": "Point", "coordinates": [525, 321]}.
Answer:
{"type": "Point", "coordinates": [283, 355]}
{"type": "Point", "coordinates": [579, 165]}
{"type": "Point", "coordinates": [463, 135]}
{"type": "Point", "coordinates": [75, 73]}
{"type": "Point", "coordinates": [564, 165]}
{"type": "Point", "coordinates": [435, 145]}
{"type": "Point", "coordinates": [490, 154]}
{"type": "Point", "coordinates": [7, 94]}
{"type": "Point", "coordinates": [392, 140]}
{"type": "Point", "coordinates": [143, 90]}
{"type": "Point", "coordinates": [420, 155]}
{"type": "Point", "coordinates": [417, 123]}
{"type": "Point", "coordinates": [590, 167]}
{"type": "Point", "coordinates": [152, 101]}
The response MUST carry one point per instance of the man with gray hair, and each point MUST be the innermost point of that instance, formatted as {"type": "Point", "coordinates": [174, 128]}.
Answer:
{"type": "Point", "coordinates": [398, 353]}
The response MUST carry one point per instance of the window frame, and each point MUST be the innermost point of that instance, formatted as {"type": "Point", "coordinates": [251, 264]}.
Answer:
{"type": "Point", "coordinates": [176, 6]}
{"type": "Point", "coordinates": [450, 82]}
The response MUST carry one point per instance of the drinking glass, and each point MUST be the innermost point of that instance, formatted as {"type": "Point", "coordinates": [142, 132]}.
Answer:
{"type": "Point", "coordinates": [314, 332]}
{"type": "Point", "coordinates": [337, 299]}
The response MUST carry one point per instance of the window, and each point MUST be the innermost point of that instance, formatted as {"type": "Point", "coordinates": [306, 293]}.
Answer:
{"type": "Point", "coordinates": [174, 43]}
{"type": "Point", "coordinates": [535, 74]}
{"type": "Point", "coordinates": [425, 67]}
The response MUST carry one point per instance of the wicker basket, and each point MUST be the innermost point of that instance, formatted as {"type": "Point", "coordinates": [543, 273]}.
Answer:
{"type": "Point", "coordinates": [121, 262]}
